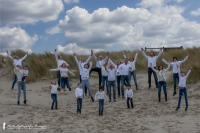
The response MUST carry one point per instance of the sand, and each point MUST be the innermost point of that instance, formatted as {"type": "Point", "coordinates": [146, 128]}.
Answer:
{"type": "Point", "coordinates": [148, 115]}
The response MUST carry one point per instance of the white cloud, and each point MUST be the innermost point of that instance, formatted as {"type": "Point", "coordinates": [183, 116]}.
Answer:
{"type": "Point", "coordinates": [15, 38]}
{"type": "Point", "coordinates": [29, 11]}
{"type": "Point", "coordinates": [151, 3]}
{"type": "Point", "coordinates": [179, 1]}
{"type": "Point", "coordinates": [196, 12]}
{"type": "Point", "coordinates": [71, 1]}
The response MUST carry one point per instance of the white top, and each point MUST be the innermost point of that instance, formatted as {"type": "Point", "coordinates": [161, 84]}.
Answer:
{"type": "Point", "coordinates": [17, 62]}
{"type": "Point", "coordinates": [54, 89]}
{"type": "Point", "coordinates": [182, 80]}
{"type": "Point", "coordinates": [81, 64]}
{"type": "Point", "coordinates": [100, 95]}
{"type": "Point", "coordinates": [132, 64]}
{"type": "Point", "coordinates": [26, 72]}
{"type": "Point", "coordinates": [152, 59]}
{"type": "Point", "coordinates": [63, 71]}
{"type": "Point", "coordinates": [19, 73]}
{"type": "Point", "coordinates": [111, 74]}
{"type": "Point", "coordinates": [124, 69]}
{"type": "Point", "coordinates": [59, 62]}
{"type": "Point", "coordinates": [103, 69]}
{"type": "Point", "coordinates": [99, 62]}
{"type": "Point", "coordinates": [85, 72]}
{"type": "Point", "coordinates": [79, 92]}
{"type": "Point", "coordinates": [174, 64]}
{"type": "Point", "coordinates": [117, 73]}
{"type": "Point", "coordinates": [161, 74]}
{"type": "Point", "coordinates": [129, 93]}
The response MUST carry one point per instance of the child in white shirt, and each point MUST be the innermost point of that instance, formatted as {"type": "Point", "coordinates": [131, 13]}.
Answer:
{"type": "Point", "coordinates": [25, 73]}
{"type": "Point", "coordinates": [79, 96]}
{"type": "Point", "coordinates": [54, 87]}
{"type": "Point", "coordinates": [100, 96]}
{"type": "Point", "coordinates": [129, 96]}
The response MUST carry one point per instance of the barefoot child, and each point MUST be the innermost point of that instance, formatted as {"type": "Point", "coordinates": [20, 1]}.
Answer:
{"type": "Point", "coordinates": [54, 87]}
{"type": "Point", "coordinates": [129, 96]}
{"type": "Point", "coordinates": [25, 73]}
{"type": "Point", "coordinates": [100, 96]}
{"type": "Point", "coordinates": [182, 87]}
{"type": "Point", "coordinates": [79, 96]}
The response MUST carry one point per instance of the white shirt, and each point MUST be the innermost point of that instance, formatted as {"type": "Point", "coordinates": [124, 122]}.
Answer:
{"type": "Point", "coordinates": [182, 80]}
{"type": "Point", "coordinates": [26, 72]}
{"type": "Point", "coordinates": [174, 64]}
{"type": "Point", "coordinates": [81, 64]}
{"type": "Point", "coordinates": [17, 62]}
{"type": "Point", "coordinates": [99, 62]}
{"type": "Point", "coordinates": [79, 92]}
{"type": "Point", "coordinates": [117, 72]}
{"type": "Point", "coordinates": [85, 72]}
{"type": "Point", "coordinates": [54, 89]}
{"type": "Point", "coordinates": [19, 73]}
{"type": "Point", "coordinates": [60, 62]}
{"type": "Point", "coordinates": [111, 74]}
{"type": "Point", "coordinates": [132, 64]}
{"type": "Point", "coordinates": [152, 59]}
{"type": "Point", "coordinates": [129, 93]}
{"type": "Point", "coordinates": [103, 69]}
{"type": "Point", "coordinates": [124, 69]}
{"type": "Point", "coordinates": [63, 71]}
{"type": "Point", "coordinates": [100, 95]}
{"type": "Point", "coordinates": [161, 74]}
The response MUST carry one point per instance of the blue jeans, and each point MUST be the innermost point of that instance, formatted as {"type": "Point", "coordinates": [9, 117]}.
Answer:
{"type": "Point", "coordinates": [85, 87]}
{"type": "Point", "coordinates": [112, 83]}
{"type": "Point", "coordinates": [104, 79]}
{"type": "Point", "coordinates": [79, 105]}
{"type": "Point", "coordinates": [183, 91]}
{"type": "Point", "coordinates": [21, 86]}
{"type": "Point", "coordinates": [118, 84]}
{"type": "Point", "coordinates": [54, 98]}
{"type": "Point", "coordinates": [14, 81]}
{"type": "Point", "coordinates": [133, 73]}
{"type": "Point", "coordinates": [86, 83]}
{"type": "Point", "coordinates": [58, 76]}
{"type": "Point", "coordinates": [65, 81]}
{"type": "Point", "coordinates": [160, 85]}
{"type": "Point", "coordinates": [123, 79]}
{"type": "Point", "coordinates": [101, 105]}
{"type": "Point", "coordinates": [175, 76]}
{"type": "Point", "coordinates": [150, 71]}
{"type": "Point", "coordinates": [127, 101]}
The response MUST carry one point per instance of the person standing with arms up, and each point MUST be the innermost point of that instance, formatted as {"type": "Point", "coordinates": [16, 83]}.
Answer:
{"type": "Point", "coordinates": [175, 69]}
{"type": "Point", "coordinates": [152, 59]}
{"type": "Point", "coordinates": [16, 61]}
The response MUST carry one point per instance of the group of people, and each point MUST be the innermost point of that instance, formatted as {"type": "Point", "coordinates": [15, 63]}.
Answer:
{"type": "Point", "coordinates": [109, 73]}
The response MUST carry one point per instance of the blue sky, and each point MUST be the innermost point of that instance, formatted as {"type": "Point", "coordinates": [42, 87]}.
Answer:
{"type": "Point", "coordinates": [81, 25]}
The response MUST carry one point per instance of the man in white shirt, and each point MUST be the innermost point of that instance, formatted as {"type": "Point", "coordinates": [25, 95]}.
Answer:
{"type": "Point", "coordinates": [124, 69]}
{"type": "Point", "coordinates": [16, 61]}
{"type": "Point", "coordinates": [152, 59]}
{"type": "Point", "coordinates": [99, 62]}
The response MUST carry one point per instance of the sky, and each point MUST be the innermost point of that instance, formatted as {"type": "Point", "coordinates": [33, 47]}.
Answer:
{"type": "Point", "coordinates": [102, 25]}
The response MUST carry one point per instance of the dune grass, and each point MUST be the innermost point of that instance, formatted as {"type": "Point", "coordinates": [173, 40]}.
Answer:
{"type": "Point", "coordinates": [39, 64]}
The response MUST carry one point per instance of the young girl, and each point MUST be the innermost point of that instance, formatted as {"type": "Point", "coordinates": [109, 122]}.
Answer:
{"type": "Point", "coordinates": [79, 96]}
{"type": "Point", "coordinates": [53, 88]}
{"type": "Point", "coordinates": [161, 80]}
{"type": "Point", "coordinates": [64, 75]}
{"type": "Point", "coordinates": [100, 96]}
{"type": "Point", "coordinates": [182, 87]}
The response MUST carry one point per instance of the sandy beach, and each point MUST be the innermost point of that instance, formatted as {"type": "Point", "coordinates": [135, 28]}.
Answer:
{"type": "Point", "coordinates": [148, 115]}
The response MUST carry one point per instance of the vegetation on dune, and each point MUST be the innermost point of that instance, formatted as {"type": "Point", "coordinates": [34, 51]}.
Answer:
{"type": "Point", "coordinates": [39, 64]}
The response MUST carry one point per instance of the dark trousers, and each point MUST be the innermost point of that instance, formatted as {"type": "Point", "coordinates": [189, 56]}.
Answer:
{"type": "Point", "coordinates": [101, 105]}
{"type": "Point", "coordinates": [85, 86]}
{"type": "Point", "coordinates": [23, 78]}
{"type": "Point", "coordinates": [96, 69]}
{"type": "Point", "coordinates": [54, 98]}
{"type": "Point", "coordinates": [65, 81]}
{"type": "Point", "coordinates": [131, 101]}
{"type": "Point", "coordinates": [79, 105]}
{"type": "Point", "coordinates": [124, 79]}
{"type": "Point", "coordinates": [58, 76]}
{"type": "Point", "coordinates": [118, 84]}
{"type": "Point", "coordinates": [150, 71]}
{"type": "Point", "coordinates": [160, 85]}
{"type": "Point", "coordinates": [175, 77]}
{"type": "Point", "coordinates": [183, 91]}
{"type": "Point", "coordinates": [14, 81]}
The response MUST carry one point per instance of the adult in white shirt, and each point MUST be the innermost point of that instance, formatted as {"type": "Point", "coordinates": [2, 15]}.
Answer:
{"type": "Point", "coordinates": [59, 61]}
{"type": "Point", "coordinates": [16, 61]}
{"type": "Point", "coordinates": [161, 80]}
{"type": "Point", "coordinates": [129, 96]}
{"type": "Point", "coordinates": [132, 61]}
{"type": "Point", "coordinates": [152, 59]}
{"type": "Point", "coordinates": [104, 75]}
{"type": "Point", "coordinates": [182, 87]}
{"type": "Point", "coordinates": [79, 96]}
{"type": "Point", "coordinates": [99, 62]}
{"type": "Point", "coordinates": [124, 72]}
{"type": "Point", "coordinates": [80, 64]}
{"type": "Point", "coordinates": [175, 69]}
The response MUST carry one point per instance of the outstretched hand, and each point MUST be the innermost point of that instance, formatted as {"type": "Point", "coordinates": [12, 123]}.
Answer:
{"type": "Point", "coordinates": [55, 50]}
{"type": "Point", "coordinates": [161, 49]}
{"type": "Point", "coordinates": [91, 52]}
{"type": "Point", "coordinates": [137, 51]}
{"type": "Point", "coordinates": [7, 51]}
{"type": "Point", "coordinates": [142, 49]}
{"type": "Point", "coordinates": [74, 54]}
{"type": "Point", "coordinates": [191, 67]}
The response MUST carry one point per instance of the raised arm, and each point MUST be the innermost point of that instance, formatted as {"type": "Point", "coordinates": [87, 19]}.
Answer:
{"type": "Point", "coordinates": [90, 65]}
{"type": "Point", "coordinates": [88, 59]}
{"type": "Point", "coordinates": [143, 53]}
{"type": "Point", "coordinates": [24, 56]}
{"type": "Point", "coordinates": [76, 59]}
{"type": "Point", "coordinates": [179, 71]}
{"type": "Point", "coordinates": [52, 70]}
{"type": "Point", "coordinates": [164, 61]}
{"type": "Point", "coordinates": [184, 59]}
{"type": "Point", "coordinates": [56, 55]}
{"type": "Point", "coordinates": [167, 67]}
{"type": "Point", "coordinates": [153, 68]}
{"type": "Point", "coordinates": [112, 63]}
{"type": "Point", "coordinates": [159, 54]}
{"type": "Point", "coordinates": [135, 58]}
{"type": "Point", "coordinates": [188, 73]}
{"type": "Point", "coordinates": [9, 55]}
{"type": "Point", "coordinates": [71, 72]}
{"type": "Point", "coordinates": [106, 57]}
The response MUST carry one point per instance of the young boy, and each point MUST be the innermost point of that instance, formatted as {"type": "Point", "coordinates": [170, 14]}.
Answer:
{"type": "Point", "coordinates": [182, 87]}
{"type": "Point", "coordinates": [100, 96]}
{"type": "Point", "coordinates": [25, 73]}
{"type": "Point", "coordinates": [79, 96]}
{"type": "Point", "coordinates": [129, 96]}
